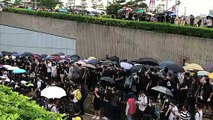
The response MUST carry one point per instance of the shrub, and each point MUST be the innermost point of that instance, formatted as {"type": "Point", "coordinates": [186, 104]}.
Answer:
{"type": "Point", "coordinates": [18, 107]}
{"type": "Point", "coordinates": [150, 26]}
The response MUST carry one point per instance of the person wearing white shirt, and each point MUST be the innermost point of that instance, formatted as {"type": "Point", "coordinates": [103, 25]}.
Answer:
{"type": "Point", "coordinates": [209, 22]}
{"type": "Point", "coordinates": [75, 100]}
{"type": "Point", "coordinates": [142, 103]}
{"type": "Point", "coordinates": [54, 72]}
{"type": "Point", "coordinates": [39, 82]}
{"type": "Point", "coordinates": [173, 111]}
{"type": "Point", "coordinates": [49, 66]}
{"type": "Point", "coordinates": [199, 112]}
{"type": "Point", "coordinates": [52, 106]}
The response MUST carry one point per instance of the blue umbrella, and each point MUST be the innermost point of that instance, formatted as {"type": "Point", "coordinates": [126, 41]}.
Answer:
{"type": "Point", "coordinates": [19, 71]}
{"type": "Point", "coordinates": [93, 62]}
{"type": "Point", "coordinates": [203, 73]}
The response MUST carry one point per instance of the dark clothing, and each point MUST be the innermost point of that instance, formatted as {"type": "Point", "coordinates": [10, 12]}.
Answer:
{"type": "Point", "coordinates": [183, 93]}
{"type": "Point", "coordinates": [207, 89]}
{"type": "Point", "coordinates": [97, 102]}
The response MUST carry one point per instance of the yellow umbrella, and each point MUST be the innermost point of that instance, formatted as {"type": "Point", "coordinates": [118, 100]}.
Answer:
{"type": "Point", "coordinates": [193, 66]}
{"type": "Point", "coordinates": [91, 58]}
{"type": "Point", "coordinates": [211, 75]}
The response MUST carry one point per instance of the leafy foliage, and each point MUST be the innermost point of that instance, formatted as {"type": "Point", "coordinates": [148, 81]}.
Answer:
{"type": "Point", "coordinates": [49, 3]}
{"type": "Point", "coordinates": [18, 107]}
{"type": "Point", "coordinates": [17, 2]}
{"type": "Point", "coordinates": [150, 26]}
{"type": "Point", "coordinates": [113, 8]}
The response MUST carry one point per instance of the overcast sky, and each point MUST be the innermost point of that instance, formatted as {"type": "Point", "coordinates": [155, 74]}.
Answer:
{"type": "Point", "coordinates": [195, 7]}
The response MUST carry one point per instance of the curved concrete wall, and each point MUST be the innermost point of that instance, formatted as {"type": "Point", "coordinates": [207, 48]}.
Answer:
{"type": "Point", "coordinates": [99, 40]}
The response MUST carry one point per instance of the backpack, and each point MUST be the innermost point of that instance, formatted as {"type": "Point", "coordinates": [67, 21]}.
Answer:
{"type": "Point", "coordinates": [43, 85]}
{"type": "Point", "coordinates": [78, 94]}
{"type": "Point", "coordinates": [128, 81]}
{"type": "Point", "coordinates": [76, 73]}
{"type": "Point", "coordinates": [50, 108]}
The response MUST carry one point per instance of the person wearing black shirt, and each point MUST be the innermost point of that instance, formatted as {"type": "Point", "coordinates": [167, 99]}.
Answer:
{"type": "Point", "coordinates": [192, 94]}
{"type": "Point", "coordinates": [120, 78]}
{"type": "Point", "coordinates": [184, 89]}
{"type": "Point", "coordinates": [97, 103]}
{"type": "Point", "coordinates": [206, 90]}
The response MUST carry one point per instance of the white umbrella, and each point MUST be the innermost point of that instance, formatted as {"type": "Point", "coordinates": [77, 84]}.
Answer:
{"type": "Point", "coordinates": [80, 62]}
{"type": "Point", "coordinates": [12, 68]}
{"type": "Point", "coordinates": [203, 73]}
{"type": "Point", "coordinates": [126, 65]}
{"type": "Point", "coordinates": [163, 90]}
{"type": "Point", "coordinates": [7, 66]}
{"type": "Point", "coordinates": [89, 66]}
{"type": "Point", "coordinates": [53, 92]}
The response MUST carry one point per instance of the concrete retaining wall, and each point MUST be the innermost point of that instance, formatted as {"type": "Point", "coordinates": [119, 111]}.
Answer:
{"type": "Point", "coordinates": [99, 40]}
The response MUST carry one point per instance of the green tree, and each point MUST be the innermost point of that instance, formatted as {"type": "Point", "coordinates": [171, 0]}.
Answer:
{"type": "Point", "coordinates": [113, 8]}
{"type": "Point", "coordinates": [136, 4]}
{"type": "Point", "coordinates": [49, 3]}
{"type": "Point", "coordinates": [6, 2]}
{"type": "Point", "coordinates": [17, 2]}
{"type": "Point", "coordinates": [83, 4]}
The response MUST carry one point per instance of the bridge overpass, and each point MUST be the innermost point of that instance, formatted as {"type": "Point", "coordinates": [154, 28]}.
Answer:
{"type": "Point", "coordinates": [98, 40]}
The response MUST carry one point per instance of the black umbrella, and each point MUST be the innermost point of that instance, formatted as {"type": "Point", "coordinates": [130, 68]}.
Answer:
{"type": "Point", "coordinates": [61, 54]}
{"type": "Point", "coordinates": [6, 53]}
{"type": "Point", "coordinates": [114, 58]}
{"type": "Point", "coordinates": [55, 55]}
{"type": "Point", "coordinates": [3, 68]}
{"type": "Point", "coordinates": [148, 61]}
{"type": "Point", "coordinates": [137, 68]}
{"type": "Point", "coordinates": [43, 55]}
{"type": "Point", "coordinates": [108, 79]}
{"type": "Point", "coordinates": [175, 68]}
{"type": "Point", "coordinates": [107, 62]}
{"type": "Point", "coordinates": [75, 57]}
{"type": "Point", "coordinates": [27, 54]}
{"type": "Point", "coordinates": [124, 60]}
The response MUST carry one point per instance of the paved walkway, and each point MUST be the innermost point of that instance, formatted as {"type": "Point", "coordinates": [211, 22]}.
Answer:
{"type": "Point", "coordinates": [87, 117]}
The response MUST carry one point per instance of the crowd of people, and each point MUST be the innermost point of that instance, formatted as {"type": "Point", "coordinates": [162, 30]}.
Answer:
{"type": "Point", "coordinates": [128, 96]}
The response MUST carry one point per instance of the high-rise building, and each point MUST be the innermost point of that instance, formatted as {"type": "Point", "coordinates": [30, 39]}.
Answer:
{"type": "Point", "coordinates": [211, 12]}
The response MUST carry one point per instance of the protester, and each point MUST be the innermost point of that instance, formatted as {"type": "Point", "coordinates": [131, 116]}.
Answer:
{"type": "Point", "coordinates": [131, 107]}
{"type": "Point", "coordinates": [143, 104]}
{"type": "Point", "coordinates": [97, 104]}
{"type": "Point", "coordinates": [184, 113]}
{"type": "Point", "coordinates": [109, 98]}
{"type": "Point", "coordinates": [199, 112]}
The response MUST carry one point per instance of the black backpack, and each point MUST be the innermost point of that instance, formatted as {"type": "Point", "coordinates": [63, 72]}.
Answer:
{"type": "Point", "coordinates": [50, 108]}
{"type": "Point", "coordinates": [43, 85]}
